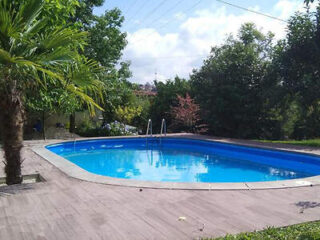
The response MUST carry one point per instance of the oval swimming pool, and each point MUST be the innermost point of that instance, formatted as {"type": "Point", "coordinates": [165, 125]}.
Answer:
{"type": "Point", "coordinates": [185, 160]}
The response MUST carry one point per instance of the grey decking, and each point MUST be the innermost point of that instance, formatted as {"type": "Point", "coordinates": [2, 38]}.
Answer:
{"type": "Point", "coordinates": [67, 208]}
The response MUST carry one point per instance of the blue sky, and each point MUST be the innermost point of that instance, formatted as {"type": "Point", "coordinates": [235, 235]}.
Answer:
{"type": "Point", "coordinates": [172, 37]}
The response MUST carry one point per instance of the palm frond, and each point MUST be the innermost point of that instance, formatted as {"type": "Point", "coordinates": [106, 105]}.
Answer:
{"type": "Point", "coordinates": [36, 27]}
{"type": "Point", "coordinates": [6, 26]}
{"type": "Point", "coordinates": [5, 57]}
{"type": "Point", "coordinates": [28, 12]}
{"type": "Point", "coordinates": [84, 74]}
{"type": "Point", "coordinates": [58, 56]}
{"type": "Point", "coordinates": [84, 98]}
{"type": "Point", "coordinates": [62, 38]}
{"type": "Point", "coordinates": [34, 66]}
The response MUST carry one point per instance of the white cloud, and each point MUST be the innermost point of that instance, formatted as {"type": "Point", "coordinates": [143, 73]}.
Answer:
{"type": "Point", "coordinates": [152, 52]}
{"type": "Point", "coordinates": [285, 8]}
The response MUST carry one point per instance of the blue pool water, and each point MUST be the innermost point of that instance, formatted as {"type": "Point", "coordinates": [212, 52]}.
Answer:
{"type": "Point", "coordinates": [185, 160]}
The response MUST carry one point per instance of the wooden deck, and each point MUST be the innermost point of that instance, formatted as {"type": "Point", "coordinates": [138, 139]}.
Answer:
{"type": "Point", "coordinates": [67, 208]}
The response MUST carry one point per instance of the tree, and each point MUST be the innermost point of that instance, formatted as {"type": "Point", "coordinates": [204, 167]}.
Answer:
{"type": "Point", "coordinates": [106, 41]}
{"type": "Point", "coordinates": [118, 91]}
{"type": "Point", "coordinates": [85, 73]}
{"type": "Point", "coordinates": [166, 97]}
{"type": "Point", "coordinates": [127, 113]}
{"type": "Point", "coordinates": [84, 12]}
{"type": "Point", "coordinates": [105, 45]}
{"type": "Point", "coordinates": [296, 67]}
{"type": "Point", "coordinates": [307, 2]}
{"type": "Point", "coordinates": [229, 86]}
{"type": "Point", "coordinates": [44, 102]}
{"type": "Point", "coordinates": [28, 60]}
{"type": "Point", "coordinates": [186, 115]}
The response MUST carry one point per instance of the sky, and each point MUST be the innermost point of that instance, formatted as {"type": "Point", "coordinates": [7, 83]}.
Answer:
{"type": "Point", "coordinates": [167, 38]}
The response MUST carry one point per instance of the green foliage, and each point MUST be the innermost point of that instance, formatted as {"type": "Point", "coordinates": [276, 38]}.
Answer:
{"type": "Point", "coordinates": [106, 41]}
{"type": "Point", "coordinates": [58, 12]}
{"type": "Point", "coordinates": [296, 65]}
{"type": "Point", "coordinates": [166, 97]}
{"type": "Point", "coordinates": [308, 143]}
{"type": "Point", "coordinates": [84, 12]}
{"type": "Point", "coordinates": [229, 86]}
{"type": "Point", "coordinates": [117, 93]}
{"type": "Point", "coordinates": [29, 59]}
{"type": "Point", "coordinates": [105, 45]}
{"type": "Point", "coordinates": [141, 121]}
{"type": "Point", "coordinates": [89, 128]}
{"type": "Point", "coordinates": [305, 231]}
{"type": "Point", "coordinates": [251, 88]}
{"type": "Point", "coordinates": [127, 113]}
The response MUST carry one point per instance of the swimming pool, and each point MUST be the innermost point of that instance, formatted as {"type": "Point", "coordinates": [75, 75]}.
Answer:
{"type": "Point", "coordinates": [185, 160]}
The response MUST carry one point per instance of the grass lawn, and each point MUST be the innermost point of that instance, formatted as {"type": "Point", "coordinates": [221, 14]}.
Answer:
{"type": "Point", "coordinates": [309, 142]}
{"type": "Point", "coordinates": [305, 231]}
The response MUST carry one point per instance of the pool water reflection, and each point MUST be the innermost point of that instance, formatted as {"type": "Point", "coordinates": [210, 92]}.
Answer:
{"type": "Point", "coordinates": [185, 160]}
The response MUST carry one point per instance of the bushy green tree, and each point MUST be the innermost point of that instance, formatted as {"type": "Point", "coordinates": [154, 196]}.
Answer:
{"type": "Point", "coordinates": [106, 41]}
{"type": "Point", "coordinates": [296, 67]}
{"type": "Point", "coordinates": [105, 44]}
{"type": "Point", "coordinates": [228, 86]}
{"type": "Point", "coordinates": [166, 97]}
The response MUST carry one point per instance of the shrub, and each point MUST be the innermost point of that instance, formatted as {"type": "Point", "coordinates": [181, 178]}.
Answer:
{"type": "Point", "coordinates": [90, 129]}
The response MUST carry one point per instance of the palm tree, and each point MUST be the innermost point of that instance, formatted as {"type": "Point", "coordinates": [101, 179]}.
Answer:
{"type": "Point", "coordinates": [30, 56]}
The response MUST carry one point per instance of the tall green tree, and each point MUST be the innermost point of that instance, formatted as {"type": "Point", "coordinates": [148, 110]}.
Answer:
{"type": "Point", "coordinates": [29, 57]}
{"type": "Point", "coordinates": [228, 86]}
{"type": "Point", "coordinates": [105, 44]}
{"type": "Point", "coordinates": [106, 41]}
{"type": "Point", "coordinates": [296, 66]}
{"type": "Point", "coordinates": [84, 11]}
{"type": "Point", "coordinates": [167, 93]}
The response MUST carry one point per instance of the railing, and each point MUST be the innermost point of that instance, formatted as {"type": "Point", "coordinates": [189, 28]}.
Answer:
{"type": "Point", "coordinates": [163, 130]}
{"type": "Point", "coordinates": [149, 129]}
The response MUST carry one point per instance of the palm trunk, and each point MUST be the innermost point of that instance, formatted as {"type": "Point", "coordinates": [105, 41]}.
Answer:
{"type": "Point", "coordinates": [11, 119]}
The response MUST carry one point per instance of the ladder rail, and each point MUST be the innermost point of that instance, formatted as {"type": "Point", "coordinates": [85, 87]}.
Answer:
{"type": "Point", "coordinates": [149, 129]}
{"type": "Point", "coordinates": [163, 130]}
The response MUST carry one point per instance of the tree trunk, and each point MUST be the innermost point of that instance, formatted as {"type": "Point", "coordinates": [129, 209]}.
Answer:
{"type": "Point", "coordinates": [72, 121]}
{"type": "Point", "coordinates": [11, 119]}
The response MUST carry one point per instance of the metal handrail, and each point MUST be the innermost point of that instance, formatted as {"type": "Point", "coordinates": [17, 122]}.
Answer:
{"type": "Point", "coordinates": [163, 128]}
{"type": "Point", "coordinates": [149, 129]}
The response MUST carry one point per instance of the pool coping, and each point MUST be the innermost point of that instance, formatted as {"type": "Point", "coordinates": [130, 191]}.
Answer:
{"type": "Point", "coordinates": [77, 172]}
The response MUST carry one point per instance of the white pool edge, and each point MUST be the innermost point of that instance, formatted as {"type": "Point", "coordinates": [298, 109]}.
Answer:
{"type": "Point", "coordinates": [75, 171]}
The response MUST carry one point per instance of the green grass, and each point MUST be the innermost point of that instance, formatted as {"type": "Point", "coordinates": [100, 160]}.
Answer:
{"type": "Point", "coordinates": [305, 231]}
{"type": "Point", "coordinates": [309, 142]}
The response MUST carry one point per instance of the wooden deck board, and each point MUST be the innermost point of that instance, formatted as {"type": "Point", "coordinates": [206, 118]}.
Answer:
{"type": "Point", "coordinates": [67, 208]}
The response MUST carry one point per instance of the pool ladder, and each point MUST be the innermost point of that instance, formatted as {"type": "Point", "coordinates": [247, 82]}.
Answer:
{"type": "Point", "coordinates": [163, 131]}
